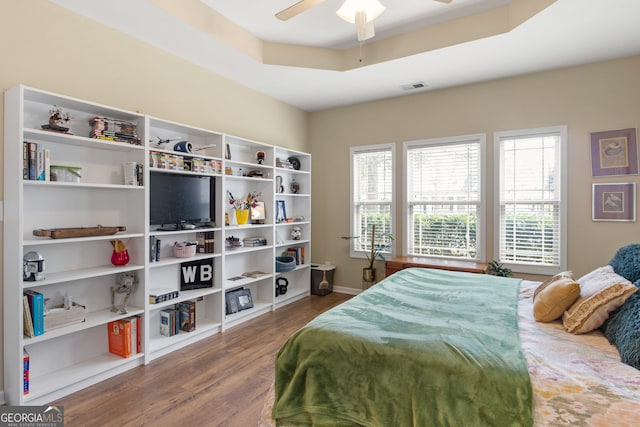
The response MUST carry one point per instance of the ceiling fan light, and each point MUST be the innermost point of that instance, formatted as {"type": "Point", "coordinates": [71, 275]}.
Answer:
{"type": "Point", "coordinates": [372, 8]}
{"type": "Point", "coordinates": [364, 28]}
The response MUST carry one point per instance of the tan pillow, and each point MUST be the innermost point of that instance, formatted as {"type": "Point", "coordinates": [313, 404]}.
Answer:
{"type": "Point", "coordinates": [601, 292]}
{"type": "Point", "coordinates": [554, 299]}
{"type": "Point", "coordinates": [543, 285]}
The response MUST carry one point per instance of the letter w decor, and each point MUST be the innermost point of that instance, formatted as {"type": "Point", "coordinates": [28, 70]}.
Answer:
{"type": "Point", "coordinates": [196, 275]}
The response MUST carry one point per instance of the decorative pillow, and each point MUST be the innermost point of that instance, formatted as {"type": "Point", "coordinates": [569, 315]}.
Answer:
{"type": "Point", "coordinates": [622, 329]}
{"type": "Point", "coordinates": [626, 262]}
{"type": "Point", "coordinates": [554, 298]}
{"type": "Point", "coordinates": [543, 285]}
{"type": "Point", "coordinates": [601, 292]}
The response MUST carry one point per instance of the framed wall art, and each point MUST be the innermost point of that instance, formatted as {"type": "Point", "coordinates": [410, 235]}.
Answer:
{"type": "Point", "coordinates": [614, 152]}
{"type": "Point", "coordinates": [614, 202]}
{"type": "Point", "coordinates": [281, 211]}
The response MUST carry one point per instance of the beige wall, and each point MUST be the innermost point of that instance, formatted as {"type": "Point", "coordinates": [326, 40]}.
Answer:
{"type": "Point", "coordinates": [589, 98]}
{"type": "Point", "coordinates": [50, 48]}
{"type": "Point", "coordinates": [47, 47]}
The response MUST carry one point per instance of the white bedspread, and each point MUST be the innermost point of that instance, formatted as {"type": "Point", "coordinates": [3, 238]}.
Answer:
{"type": "Point", "coordinates": [578, 380]}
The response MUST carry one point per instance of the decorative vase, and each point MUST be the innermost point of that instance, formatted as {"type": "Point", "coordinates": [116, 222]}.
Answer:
{"type": "Point", "coordinates": [369, 274]}
{"type": "Point", "coordinates": [242, 216]}
{"type": "Point", "coordinates": [120, 258]}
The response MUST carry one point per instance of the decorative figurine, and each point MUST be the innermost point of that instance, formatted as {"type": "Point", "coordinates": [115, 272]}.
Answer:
{"type": "Point", "coordinates": [295, 162]}
{"type": "Point", "coordinates": [296, 233]}
{"type": "Point", "coordinates": [279, 185]}
{"type": "Point", "coordinates": [260, 157]}
{"type": "Point", "coordinates": [58, 118]}
{"type": "Point", "coordinates": [295, 186]}
{"type": "Point", "coordinates": [125, 285]}
{"type": "Point", "coordinates": [33, 267]}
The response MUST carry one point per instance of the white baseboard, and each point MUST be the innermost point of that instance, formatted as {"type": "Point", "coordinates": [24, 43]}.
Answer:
{"type": "Point", "coordinates": [346, 290]}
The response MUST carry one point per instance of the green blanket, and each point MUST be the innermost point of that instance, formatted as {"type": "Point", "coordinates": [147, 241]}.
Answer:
{"type": "Point", "coordinates": [421, 348]}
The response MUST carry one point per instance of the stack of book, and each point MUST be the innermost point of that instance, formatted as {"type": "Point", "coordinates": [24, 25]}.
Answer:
{"type": "Point", "coordinates": [206, 242]}
{"type": "Point", "coordinates": [156, 296]}
{"type": "Point", "coordinates": [124, 336]}
{"type": "Point", "coordinates": [36, 164]}
{"type": "Point", "coordinates": [114, 130]}
{"type": "Point", "coordinates": [33, 310]}
{"type": "Point", "coordinates": [181, 317]}
{"type": "Point", "coordinates": [254, 241]}
{"type": "Point", "coordinates": [296, 253]}
{"type": "Point", "coordinates": [25, 371]}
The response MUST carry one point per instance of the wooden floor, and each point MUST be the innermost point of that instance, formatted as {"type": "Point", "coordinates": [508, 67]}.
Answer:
{"type": "Point", "coordinates": [219, 381]}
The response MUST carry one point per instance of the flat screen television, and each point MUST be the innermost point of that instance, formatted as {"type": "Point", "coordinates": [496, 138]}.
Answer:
{"type": "Point", "coordinates": [181, 201]}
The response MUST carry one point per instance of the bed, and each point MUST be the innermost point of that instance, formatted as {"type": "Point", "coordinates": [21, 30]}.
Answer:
{"type": "Point", "coordinates": [430, 347]}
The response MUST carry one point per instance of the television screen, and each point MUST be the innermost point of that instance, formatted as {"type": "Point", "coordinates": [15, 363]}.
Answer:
{"type": "Point", "coordinates": [178, 200]}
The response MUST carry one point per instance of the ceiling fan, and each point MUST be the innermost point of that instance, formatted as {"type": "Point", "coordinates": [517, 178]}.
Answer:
{"type": "Point", "coordinates": [304, 5]}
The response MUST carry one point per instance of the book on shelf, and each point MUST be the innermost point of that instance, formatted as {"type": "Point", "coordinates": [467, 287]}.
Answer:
{"type": "Point", "coordinates": [33, 159]}
{"type": "Point", "coordinates": [169, 322]}
{"type": "Point", "coordinates": [297, 253]}
{"type": "Point", "coordinates": [119, 332]}
{"type": "Point", "coordinates": [137, 322]}
{"type": "Point", "coordinates": [156, 296]}
{"type": "Point", "coordinates": [25, 160]}
{"type": "Point", "coordinates": [26, 362]}
{"type": "Point", "coordinates": [152, 249]}
{"type": "Point", "coordinates": [206, 241]}
{"type": "Point", "coordinates": [36, 305]}
{"type": "Point", "coordinates": [27, 319]}
{"type": "Point", "coordinates": [187, 314]}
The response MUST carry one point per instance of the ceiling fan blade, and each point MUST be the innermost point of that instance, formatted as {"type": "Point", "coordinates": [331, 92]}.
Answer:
{"type": "Point", "coordinates": [296, 9]}
{"type": "Point", "coordinates": [443, 1]}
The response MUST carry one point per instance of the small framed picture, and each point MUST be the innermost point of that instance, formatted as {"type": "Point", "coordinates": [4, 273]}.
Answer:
{"type": "Point", "coordinates": [258, 214]}
{"type": "Point", "coordinates": [614, 202]}
{"type": "Point", "coordinates": [614, 152]}
{"type": "Point", "coordinates": [281, 211]}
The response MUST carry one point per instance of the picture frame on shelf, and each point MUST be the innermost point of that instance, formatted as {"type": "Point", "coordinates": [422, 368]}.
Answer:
{"type": "Point", "coordinates": [281, 211]}
{"type": "Point", "coordinates": [258, 214]}
{"type": "Point", "coordinates": [614, 153]}
{"type": "Point", "coordinates": [614, 202]}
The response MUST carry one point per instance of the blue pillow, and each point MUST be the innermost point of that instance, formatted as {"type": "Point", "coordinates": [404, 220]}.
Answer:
{"type": "Point", "coordinates": [622, 329]}
{"type": "Point", "coordinates": [626, 262]}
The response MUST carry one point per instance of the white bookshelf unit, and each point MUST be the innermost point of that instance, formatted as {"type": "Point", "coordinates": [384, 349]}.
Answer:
{"type": "Point", "coordinates": [70, 358]}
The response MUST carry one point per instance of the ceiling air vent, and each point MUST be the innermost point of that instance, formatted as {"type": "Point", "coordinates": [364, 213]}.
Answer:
{"type": "Point", "coordinates": [414, 86]}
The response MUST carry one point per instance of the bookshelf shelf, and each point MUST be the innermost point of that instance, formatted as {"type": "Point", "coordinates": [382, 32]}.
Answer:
{"type": "Point", "coordinates": [105, 365]}
{"type": "Point", "coordinates": [67, 359]}
{"type": "Point", "coordinates": [38, 135]}
{"type": "Point", "coordinates": [203, 327]}
{"type": "Point", "coordinates": [82, 273]}
{"type": "Point", "coordinates": [30, 240]}
{"type": "Point", "coordinates": [173, 260]}
{"type": "Point", "coordinates": [93, 319]}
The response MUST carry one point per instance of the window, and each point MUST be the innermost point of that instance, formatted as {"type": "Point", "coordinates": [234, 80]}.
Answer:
{"type": "Point", "coordinates": [530, 206]}
{"type": "Point", "coordinates": [444, 205]}
{"type": "Point", "coordinates": [372, 195]}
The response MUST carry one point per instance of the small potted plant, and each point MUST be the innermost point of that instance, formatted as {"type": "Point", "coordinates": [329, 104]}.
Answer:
{"type": "Point", "coordinates": [376, 251]}
{"type": "Point", "coordinates": [497, 269]}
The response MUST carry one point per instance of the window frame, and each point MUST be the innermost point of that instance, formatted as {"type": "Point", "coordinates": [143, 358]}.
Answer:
{"type": "Point", "coordinates": [481, 138]}
{"type": "Point", "coordinates": [531, 268]}
{"type": "Point", "coordinates": [353, 151]}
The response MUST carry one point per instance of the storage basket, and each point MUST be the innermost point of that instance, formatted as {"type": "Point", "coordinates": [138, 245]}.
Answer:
{"type": "Point", "coordinates": [285, 263]}
{"type": "Point", "coordinates": [184, 249]}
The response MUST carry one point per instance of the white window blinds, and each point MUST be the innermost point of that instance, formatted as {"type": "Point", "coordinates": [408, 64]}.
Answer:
{"type": "Point", "coordinates": [372, 194]}
{"type": "Point", "coordinates": [530, 199]}
{"type": "Point", "coordinates": [444, 197]}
